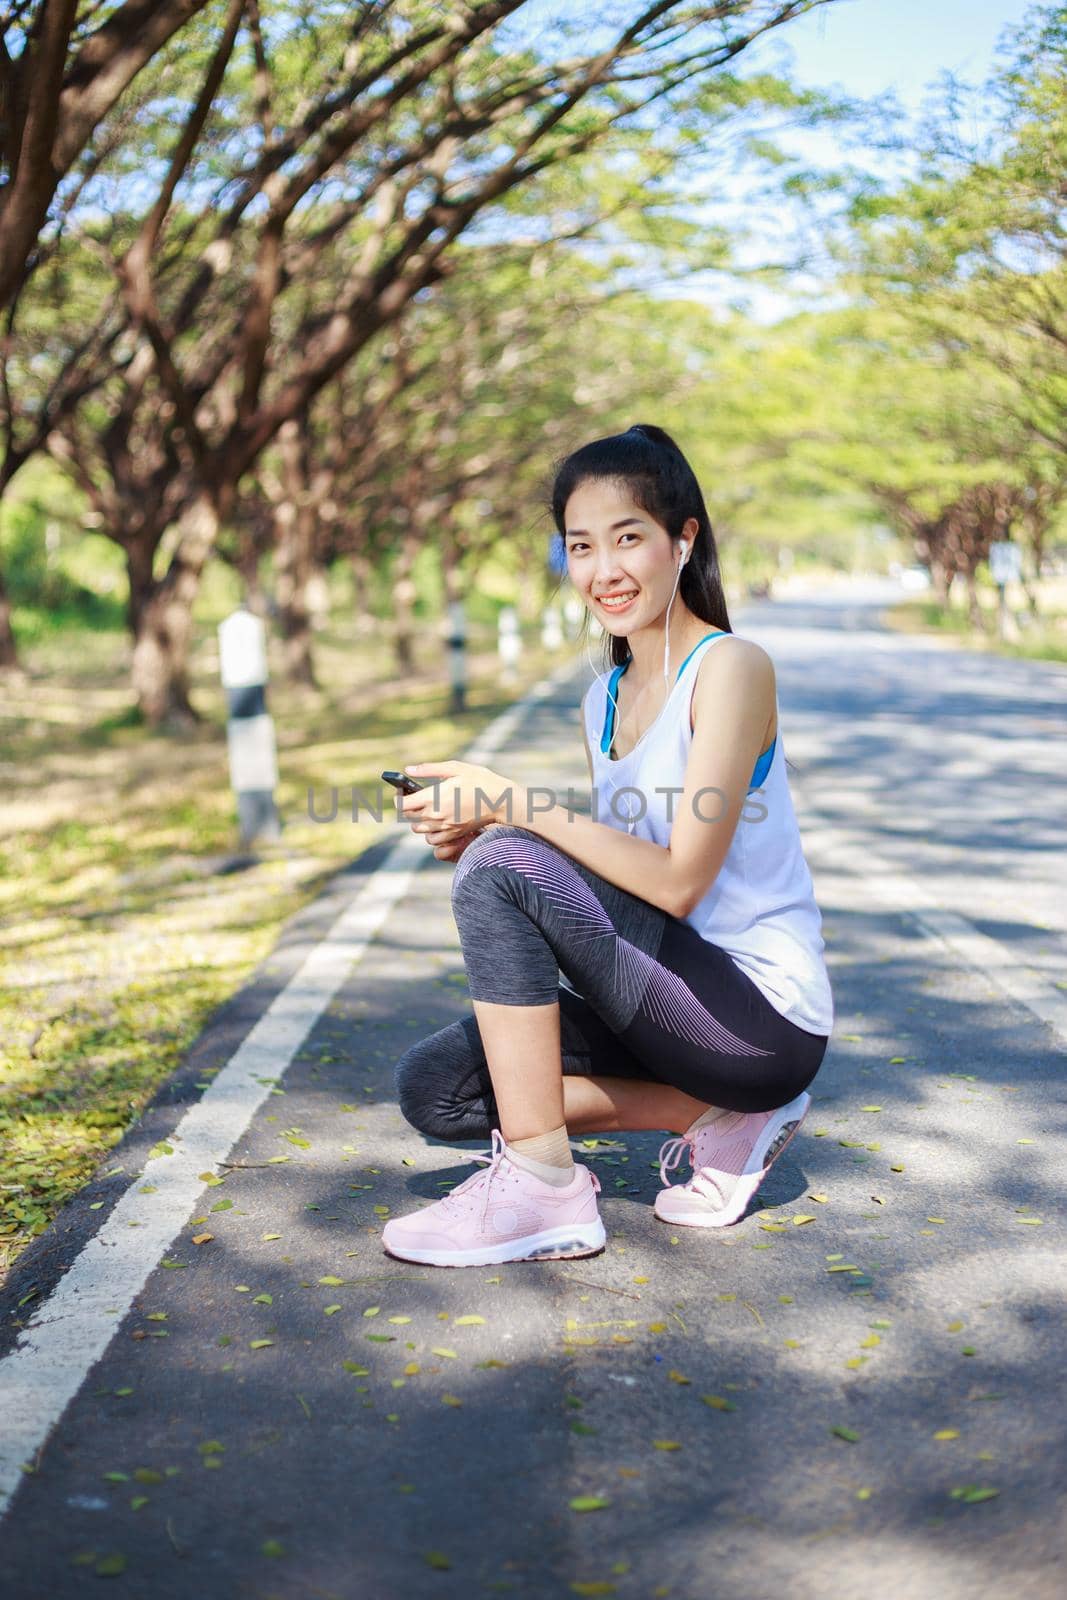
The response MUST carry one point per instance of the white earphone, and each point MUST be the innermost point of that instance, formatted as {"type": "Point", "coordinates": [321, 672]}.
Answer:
{"type": "Point", "coordinates": [685, 553]}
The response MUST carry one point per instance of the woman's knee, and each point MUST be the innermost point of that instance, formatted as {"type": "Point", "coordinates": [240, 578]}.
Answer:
{"type": "Point", "coordinates": [492, 861]}
{"type": "Point", "coordinates": [438, 1084]}
{"type": "Point", "coordinates": [418, 1090]}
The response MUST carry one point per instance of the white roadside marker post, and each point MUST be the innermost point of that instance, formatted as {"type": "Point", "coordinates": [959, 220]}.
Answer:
{"type": "Point", "coordinates": [508, 644]}
{"type": "Point", "coordinates": [250, 727]}
{"type": "Point", "coordinates": [457, 656]}
{"type": "Point", "coordinates": [551, 632]}
{"type": "Point", "coordinates": [1005, 566]}
{"type": "Point", "coordinates": [572, 611]}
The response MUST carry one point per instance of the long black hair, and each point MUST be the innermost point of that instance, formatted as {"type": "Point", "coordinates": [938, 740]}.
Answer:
{"type": "Point", "coordinates": [661, 482]}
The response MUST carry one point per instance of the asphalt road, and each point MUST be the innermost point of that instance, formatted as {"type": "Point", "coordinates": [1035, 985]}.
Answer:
{"type": "Point", "coordinates": [903, 1283]}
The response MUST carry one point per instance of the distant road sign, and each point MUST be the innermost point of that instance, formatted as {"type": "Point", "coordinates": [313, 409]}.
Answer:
{"type": "Point", "coordinates": [1005, 562]}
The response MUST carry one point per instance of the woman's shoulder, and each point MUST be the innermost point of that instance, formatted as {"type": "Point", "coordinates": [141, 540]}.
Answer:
{"type": "Point", "coordinates": [740, 668]}
{"type": "Point", "coordinates": [741, 661]}
{"type": "Point", "coordinates": [739, 658]}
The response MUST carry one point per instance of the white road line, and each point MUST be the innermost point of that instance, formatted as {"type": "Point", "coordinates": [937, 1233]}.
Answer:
{"type": "Point", "coordinates": [995, 960]}
{"type": "Point", "coordinates": [73, 1327]}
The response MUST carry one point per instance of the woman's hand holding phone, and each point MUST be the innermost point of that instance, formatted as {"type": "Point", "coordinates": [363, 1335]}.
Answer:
{"type": "Point", "coordinates": [453, 851]}
{"type": "Point", "coordinates": [443, 803]}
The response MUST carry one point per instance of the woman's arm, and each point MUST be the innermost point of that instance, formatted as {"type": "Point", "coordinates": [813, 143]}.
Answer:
{"type": "Point", "coordinates": [733, 703]}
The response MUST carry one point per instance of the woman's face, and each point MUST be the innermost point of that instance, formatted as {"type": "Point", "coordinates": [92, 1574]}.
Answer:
{"type": "Point", "coordinates": [614, 548]}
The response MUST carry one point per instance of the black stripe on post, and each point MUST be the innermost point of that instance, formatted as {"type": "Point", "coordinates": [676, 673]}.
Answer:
{"type": "Point", "coordinates": [248, 701]}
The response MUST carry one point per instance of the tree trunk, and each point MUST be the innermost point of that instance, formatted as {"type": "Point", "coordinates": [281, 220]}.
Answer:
{"type": "Point", "coordinates": [1029, 589]}
{"type": "Point", "coordinates": [163, 630]}
{"type": "Point", "coordinates": [140, 555]}
{"type": "Point", "coordinates": [1036, 550]}
{"type": "Point", "coordinates": [403, 598]}
{"type": "Point", "coordinates": [455, 581]}
{"type": "Point", "coordinates": [942, 576]}
{"type": "Point", "coordinates": [362, 588]}
{"type": "Point", "coordinates": [9, 661]}
{"type": "Point", "coordinates": [291, 572]}
{"type": "Point", "coordinates": [293, 555]}
{"type": "Point", "coordinates": [974, 609]}
{"type": "Point", "coordinates": [529, 600]}
{"type": "Point", "coordinates": [255, 596]}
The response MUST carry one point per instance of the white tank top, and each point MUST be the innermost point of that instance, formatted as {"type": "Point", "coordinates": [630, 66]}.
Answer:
{"type": "Point", "coordinates": [761, 907]}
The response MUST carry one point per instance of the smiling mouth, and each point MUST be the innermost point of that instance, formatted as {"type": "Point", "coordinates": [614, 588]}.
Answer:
{"type": "Point", "coordinates": [617, 602]}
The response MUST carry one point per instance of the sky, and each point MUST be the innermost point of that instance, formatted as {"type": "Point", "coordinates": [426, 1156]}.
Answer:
{"type": "Point", "coordinates": [865, 48]}
{"type": "Point", "coordinates": [868, 46]}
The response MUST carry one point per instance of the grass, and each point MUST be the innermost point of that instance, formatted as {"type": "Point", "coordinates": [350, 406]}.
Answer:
{"type": "Point", "coordinates": [120, 932]}
{"type": "Point", "coordinates": [1042, 638]}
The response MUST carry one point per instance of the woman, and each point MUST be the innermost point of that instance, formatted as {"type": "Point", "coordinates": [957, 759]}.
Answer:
{"type": "Point", "coordinates": [681, 914]}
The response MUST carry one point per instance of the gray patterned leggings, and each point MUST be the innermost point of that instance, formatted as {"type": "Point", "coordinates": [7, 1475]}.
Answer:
{"type": "Point", "coordinates": [651, 999]}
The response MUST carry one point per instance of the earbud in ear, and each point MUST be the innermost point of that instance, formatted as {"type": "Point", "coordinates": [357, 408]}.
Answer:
{"type": "Point", "coordinates": [685, 555]}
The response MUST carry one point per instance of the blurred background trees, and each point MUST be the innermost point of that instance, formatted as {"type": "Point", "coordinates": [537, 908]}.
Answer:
{"type": "Point", "coordinates": [304, 300]}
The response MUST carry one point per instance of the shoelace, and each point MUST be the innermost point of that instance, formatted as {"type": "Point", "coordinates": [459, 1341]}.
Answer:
{"type": "Point", "coordinates": [492, 1161]}
{"type": "Point", "coordinates": [671, 1153]}
{"type": "Point", "coordinates": [702, 1181]}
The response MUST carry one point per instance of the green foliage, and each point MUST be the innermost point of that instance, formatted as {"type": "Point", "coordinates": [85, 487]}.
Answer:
{"type": "Point", "coordinates": [46, 596]}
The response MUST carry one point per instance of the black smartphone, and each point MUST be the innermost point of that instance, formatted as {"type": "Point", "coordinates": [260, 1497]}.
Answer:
{"type": "Point", "coordinates": [401, 781]}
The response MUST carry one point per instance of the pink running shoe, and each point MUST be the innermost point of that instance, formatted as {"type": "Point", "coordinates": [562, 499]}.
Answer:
{"type": "Point", "coordinates": [730, 1159]}
{"type": "Point", "coordinates": [500, 1214]}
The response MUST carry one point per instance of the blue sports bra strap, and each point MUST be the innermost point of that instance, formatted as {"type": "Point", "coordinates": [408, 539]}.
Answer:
{"type": "Point", "coordinates": [609, 709]}
{"type": "Point", "coordinates": [613, 683]}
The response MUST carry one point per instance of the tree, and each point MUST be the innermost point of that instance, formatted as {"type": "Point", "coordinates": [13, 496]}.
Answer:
{"type": "Point", "coordinates": [62, 70]}
{"type": "Point", "coordinates": [400, 144]}
{"type": "Point", "coordinates": [974, 248]}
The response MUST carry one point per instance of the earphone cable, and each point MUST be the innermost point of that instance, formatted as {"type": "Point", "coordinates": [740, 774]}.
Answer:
{"type": "Point", "coordinates": [631, 819]}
